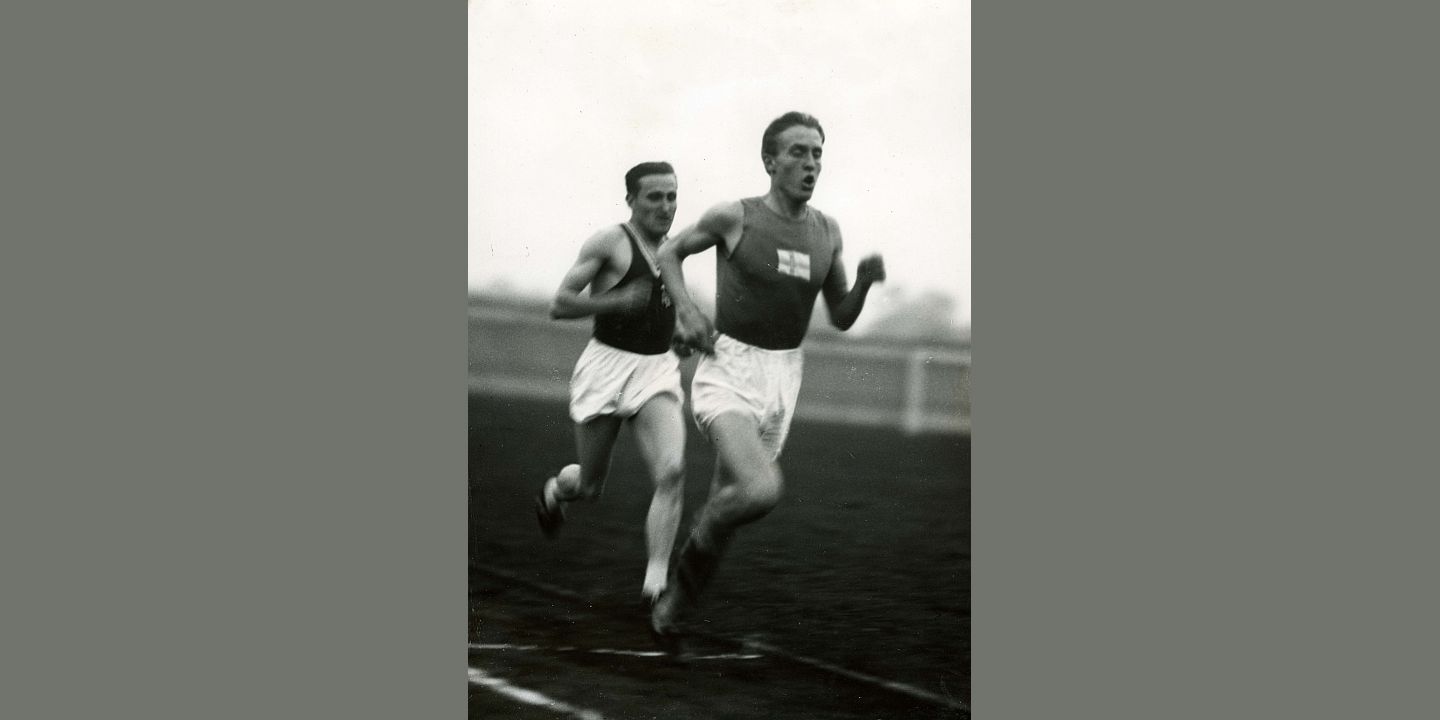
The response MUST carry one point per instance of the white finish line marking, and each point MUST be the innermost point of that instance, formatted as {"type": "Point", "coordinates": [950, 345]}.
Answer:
{"type": "Point", "coordinates": [774, 651]}
{"type": "Point", "coordinates": [608, 651]}
{"type": "Point", "coordinates": [899, 687]}
{"type": "Point", "coordinates": [530, 697]}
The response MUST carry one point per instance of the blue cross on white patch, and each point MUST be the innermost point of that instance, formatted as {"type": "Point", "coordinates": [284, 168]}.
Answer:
{"type": "Point", "coordinates": [793, 263]}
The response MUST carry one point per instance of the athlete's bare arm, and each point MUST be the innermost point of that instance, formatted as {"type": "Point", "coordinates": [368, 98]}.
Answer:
{"type": "Point", "coordinates": [719, 226]}
{"type": "Point", "coordinates": [598, 268]}
{"type": "Point", "coordinates": [843, 301]}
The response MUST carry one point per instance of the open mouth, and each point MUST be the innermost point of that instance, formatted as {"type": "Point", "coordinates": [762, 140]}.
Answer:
{"type": "Point", "coordinates": [808, 182]}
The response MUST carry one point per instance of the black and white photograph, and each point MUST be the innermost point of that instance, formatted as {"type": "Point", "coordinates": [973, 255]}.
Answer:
{"type": "Point", "coordinates": [720, 296]}
{"type": "Point", "coordinates": [719, 319]}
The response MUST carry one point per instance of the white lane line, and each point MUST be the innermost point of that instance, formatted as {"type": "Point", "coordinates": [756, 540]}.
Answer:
{"type": "Point", "coordinates": [530, 697]}
{"type": "Point", "coordinates": [755, 644]}
{"type": "Point", "coordinates": [608, 651]}
{"type": "Point", "coordinates": [891, 685]}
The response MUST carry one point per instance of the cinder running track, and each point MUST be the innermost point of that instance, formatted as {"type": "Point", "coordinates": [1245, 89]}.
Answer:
{"type": "Point", "coordinates": [851, 600]}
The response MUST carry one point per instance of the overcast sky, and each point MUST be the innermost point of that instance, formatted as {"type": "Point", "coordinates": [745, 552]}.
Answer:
{"type": "Point", "coordinates": [566, 96]}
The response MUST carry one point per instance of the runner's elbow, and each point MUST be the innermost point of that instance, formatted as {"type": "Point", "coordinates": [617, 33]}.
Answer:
{"type": "Point", "coordinates": [561, 308]}
{"type": "Point", "coordinates": [671, 252]}
{"type": "Point", "coordinates": [840, 320]}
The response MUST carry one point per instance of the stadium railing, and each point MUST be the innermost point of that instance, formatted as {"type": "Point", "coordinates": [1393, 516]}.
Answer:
{"type": "Point", "coordinates": [915, 387]}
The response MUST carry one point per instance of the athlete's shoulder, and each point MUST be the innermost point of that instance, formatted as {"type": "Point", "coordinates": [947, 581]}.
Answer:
{"type": "Point", "coordinates": [608, 236]}
{"type": "Point", "coordinates": [723, 216]}
{"type": "Point", "coordinates": [722, 223]}
{"type": "Point", "coordinates": [721, 220]}
{"type": "Point", "coordinates": [828, 221]}
{"type": "Point", "coordinates": [605, 244]}
{"type": "Point", "coordinates": [823, 216]}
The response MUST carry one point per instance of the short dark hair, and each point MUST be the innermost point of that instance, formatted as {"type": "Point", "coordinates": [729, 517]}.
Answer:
{"type": "Point", "coordinates": [783, 123]}
{"type": "Point", "coordinates": [632, 178]}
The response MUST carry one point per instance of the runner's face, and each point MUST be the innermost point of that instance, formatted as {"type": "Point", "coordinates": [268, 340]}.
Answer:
{"type": "Point", "coordinates": [652, 207]}
{"type": "Point", "coordinates": [795, 169]}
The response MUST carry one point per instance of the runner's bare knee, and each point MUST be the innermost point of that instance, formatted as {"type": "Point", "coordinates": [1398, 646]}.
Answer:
{"type": "Point", "coordinates": [765, 494]}
{"type": "Point", "coordinates": [592, 484]}
{"type": "Point", "coordinates": [670, 475]}
{"type": "Point", "coordinates": [756, 494]}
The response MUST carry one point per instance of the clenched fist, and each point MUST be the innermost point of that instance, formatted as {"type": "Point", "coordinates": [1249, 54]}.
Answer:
{"type": "Point", "coordinates": [871, 269]}
{"type": "Point", "coordinates": [693, 331]}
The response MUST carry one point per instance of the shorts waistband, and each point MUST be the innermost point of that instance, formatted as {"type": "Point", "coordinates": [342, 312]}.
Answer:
{"type": "Point", "coordinates": [743, 346]}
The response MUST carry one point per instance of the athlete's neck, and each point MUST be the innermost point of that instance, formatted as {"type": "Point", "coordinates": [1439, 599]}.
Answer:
{"type": "Point", "coordinates": [785, 206]}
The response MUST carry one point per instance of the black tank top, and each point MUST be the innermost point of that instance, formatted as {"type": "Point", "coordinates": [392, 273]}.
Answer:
{"type": "Point", "coordinates": [645, 333]}
{"type": "Point", "coordinates": [766, 286]}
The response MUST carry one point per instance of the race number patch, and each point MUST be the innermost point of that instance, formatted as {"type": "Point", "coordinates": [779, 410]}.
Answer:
{"type": "Point", "coordinates": [793, 263]}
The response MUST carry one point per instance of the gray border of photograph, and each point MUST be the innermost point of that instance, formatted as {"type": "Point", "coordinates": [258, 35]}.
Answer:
{"type": "Point", "coordinates": [1203, 478]}
{"type": "Point", "coordinates": [1204, 313]}
{"type": "Point", "coordinates": [240, 340]}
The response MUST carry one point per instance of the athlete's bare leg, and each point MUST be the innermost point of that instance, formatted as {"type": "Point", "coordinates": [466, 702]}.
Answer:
{"type": "Point", "coordinates": [660, 433]}
{"type": "Point", "coordinates": [594, 442]}
{"type": "Point", "coordinates": [747, 486]}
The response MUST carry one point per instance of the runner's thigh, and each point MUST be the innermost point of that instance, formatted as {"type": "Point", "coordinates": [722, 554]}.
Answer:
{"type": "Point", "coordinates": [660, 433]}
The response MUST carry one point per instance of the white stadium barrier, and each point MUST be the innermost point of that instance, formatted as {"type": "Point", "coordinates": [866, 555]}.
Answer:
{"type": "Point", "coordinates": [913, 387]}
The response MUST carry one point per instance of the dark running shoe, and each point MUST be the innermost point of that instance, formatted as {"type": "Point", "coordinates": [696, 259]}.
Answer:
{"type": "Point", "coordinates": [551, 517]}
{"type": "Point", "coordinates": [665, 633]}
{"type": "Point", "coordinates": [671, 642]}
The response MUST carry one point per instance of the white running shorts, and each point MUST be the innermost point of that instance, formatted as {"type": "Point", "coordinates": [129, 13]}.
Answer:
{"type": "Point", "coordinates": [739, 377]}
{"type": "Point", "coordinates": [610, 381]}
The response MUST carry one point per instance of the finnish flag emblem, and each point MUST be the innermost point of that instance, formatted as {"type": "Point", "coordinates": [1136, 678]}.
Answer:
{"type": "Point", "coordinates": [793, 263]}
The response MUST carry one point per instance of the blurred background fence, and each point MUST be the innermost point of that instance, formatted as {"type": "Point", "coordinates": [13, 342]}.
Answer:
{"type": "Point", "coordinates": [914, 385]}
